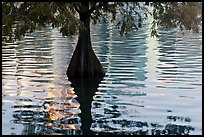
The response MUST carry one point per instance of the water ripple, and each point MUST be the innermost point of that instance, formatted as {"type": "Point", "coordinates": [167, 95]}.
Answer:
{"type": "Point", "coordinates": [152, 85]}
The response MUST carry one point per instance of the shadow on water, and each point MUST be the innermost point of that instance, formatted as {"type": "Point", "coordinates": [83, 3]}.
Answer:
{"type": "Point", "coordinates": [85, 89]}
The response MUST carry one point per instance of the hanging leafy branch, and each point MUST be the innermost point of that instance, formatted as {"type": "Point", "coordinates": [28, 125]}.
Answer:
{"type": "Point", "coordinates": [20, 18]}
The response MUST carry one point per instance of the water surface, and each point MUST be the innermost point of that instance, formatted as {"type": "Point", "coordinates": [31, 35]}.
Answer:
{"type": "Point", "coordinates": [152, 85]}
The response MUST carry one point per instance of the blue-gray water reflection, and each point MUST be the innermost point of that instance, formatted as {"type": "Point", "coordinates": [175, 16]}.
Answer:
{"type": "Point", "coordinates": [152, 86]}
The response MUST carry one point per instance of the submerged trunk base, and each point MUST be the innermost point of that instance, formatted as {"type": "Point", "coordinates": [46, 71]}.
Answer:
{"type": "Point", "coordinates": [84, 63]}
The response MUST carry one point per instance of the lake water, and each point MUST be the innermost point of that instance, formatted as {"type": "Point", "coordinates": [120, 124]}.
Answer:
{"type": "Point", "coordinates": [152, 86]}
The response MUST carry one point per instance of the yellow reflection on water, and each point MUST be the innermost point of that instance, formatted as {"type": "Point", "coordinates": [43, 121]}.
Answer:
{"type": "Point", "coordinates": [63, 106]}
{"type": "Point", "coordinates": [67, 127]}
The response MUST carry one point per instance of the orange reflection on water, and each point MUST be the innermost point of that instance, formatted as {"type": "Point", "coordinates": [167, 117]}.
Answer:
{"type": "Point", "coordinates": [67, 127]}
{"type": "Point", "coordinates": [63, 107]}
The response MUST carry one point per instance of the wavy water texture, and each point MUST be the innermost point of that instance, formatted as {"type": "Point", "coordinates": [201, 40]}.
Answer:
{"type": "Point", "coordinates": [152, 85]}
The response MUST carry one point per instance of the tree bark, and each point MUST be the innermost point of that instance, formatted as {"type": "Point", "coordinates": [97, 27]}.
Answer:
{"type": "Point", "coordinates": [84, 62]}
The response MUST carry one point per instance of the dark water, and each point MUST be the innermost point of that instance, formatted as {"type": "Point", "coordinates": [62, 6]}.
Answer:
{"type": "Point", "coordinates": [152, 86]}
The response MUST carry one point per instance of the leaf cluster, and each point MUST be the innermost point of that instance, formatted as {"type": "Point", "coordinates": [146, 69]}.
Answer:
{"type": "Point", "coordinates": [20, 18]}
{"type": "Point", "coordinates": [185, 15]}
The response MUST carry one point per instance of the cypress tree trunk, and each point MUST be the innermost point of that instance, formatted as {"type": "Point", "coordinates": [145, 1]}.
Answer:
{"type": "Point", "coordinates": [84, 62]}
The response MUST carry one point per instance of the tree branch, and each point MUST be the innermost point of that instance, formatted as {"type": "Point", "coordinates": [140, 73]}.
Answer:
{"type": "Point", "coordinates": [76, 9]}
{"type": "Point", "coordinates": [99, 6]}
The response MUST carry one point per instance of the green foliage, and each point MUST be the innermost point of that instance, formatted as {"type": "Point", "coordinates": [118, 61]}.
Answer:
{"type": "Point", "coordinates": [186, 15]}
{"type": "Point", "coordinates": [132, 16]}
{"type": "Point", "coordinates": [20, 18]}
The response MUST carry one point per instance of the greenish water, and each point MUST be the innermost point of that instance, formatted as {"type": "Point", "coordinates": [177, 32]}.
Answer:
{"type": "Point", "coordinates": [152, 85]}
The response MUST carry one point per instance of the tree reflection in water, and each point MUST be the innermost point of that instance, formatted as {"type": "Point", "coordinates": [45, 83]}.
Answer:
{"type": "Point", "coordinates": [85, 89]}
{"type": "Point", "coordinates": [68, 112]}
